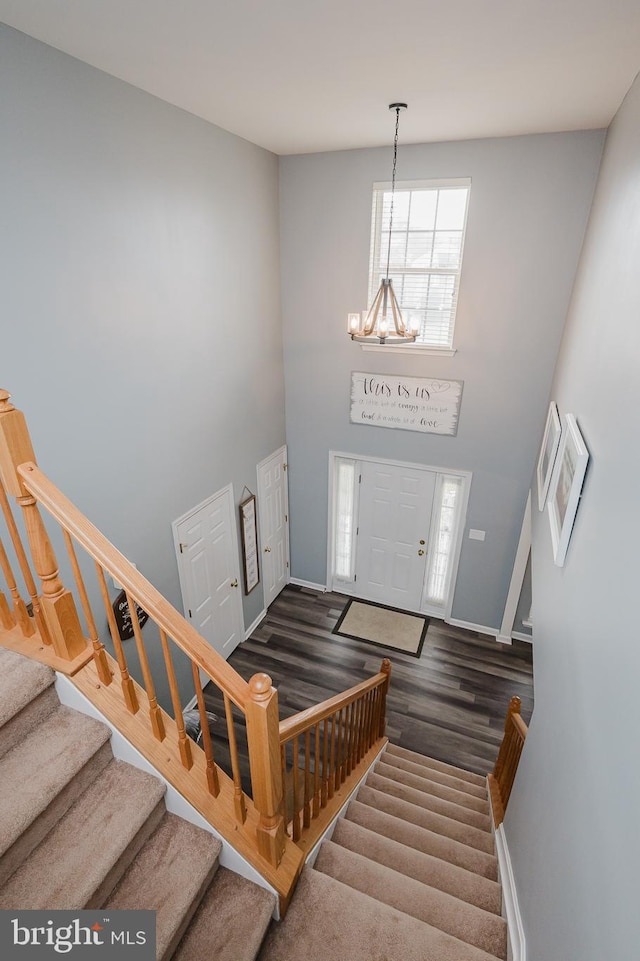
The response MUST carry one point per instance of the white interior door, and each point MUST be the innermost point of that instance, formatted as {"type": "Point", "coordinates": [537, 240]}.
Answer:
{"type": "Point", "coordinates": [208, 563]}
{"type": "Point", "coordinates": [393, 533]}
{"type": "Point", "coordinates": [273, 516]}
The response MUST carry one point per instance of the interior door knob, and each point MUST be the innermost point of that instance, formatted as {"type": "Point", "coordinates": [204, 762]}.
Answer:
{"type": "Point", "coordinates": [267, 550]}
{"type": "Point", "coordinates": [234, 582]}
{"type": "Point", "coordinates": [420, 553]}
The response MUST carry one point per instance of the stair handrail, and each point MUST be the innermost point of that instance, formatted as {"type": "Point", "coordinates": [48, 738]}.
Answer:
{"type": "Point", "coordinates": [298, 723]}
{"type": "Point", "coordinates": [100, 548]}
{"type": "Point", "coordinates": [502, 777]}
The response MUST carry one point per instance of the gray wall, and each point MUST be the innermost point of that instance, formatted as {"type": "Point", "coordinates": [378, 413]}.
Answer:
{"type": "Point", "coordinates": [572, 825]}
{"type": "Point", "coordinates": [530, 199]}
{"type": "Point", "coordinates": [139, 298]}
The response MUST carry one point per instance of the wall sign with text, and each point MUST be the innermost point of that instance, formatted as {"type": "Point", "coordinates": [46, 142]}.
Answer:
{"type": "Point", "coordinates": [409, 403]}
{"type": "Point", "coordinates": [124, 621]}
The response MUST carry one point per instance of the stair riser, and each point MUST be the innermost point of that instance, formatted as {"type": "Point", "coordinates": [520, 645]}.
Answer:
{"type": "Point", "coordinates": [428, 801]}
{"type": "Point", "coordinates": [468, 778]}
{"type": "Point", "coordinates": [423, 818]}
{"type": "Point", "coordinates": [447, 780]}
{"type": "Point", "coordinates": [423, 840]}
{"type": "Point", "coordinates": [423, 783]}
{"type": "Point", "coordinates": [443, 911]}
{"type": "Point", "coordinates": [33, 835]}
{"type": "Point", "coordinates": [28, 720]}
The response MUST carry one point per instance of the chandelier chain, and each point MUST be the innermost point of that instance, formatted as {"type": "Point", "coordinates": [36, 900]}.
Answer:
{"type": "Point", "coordinates": [393, 187]}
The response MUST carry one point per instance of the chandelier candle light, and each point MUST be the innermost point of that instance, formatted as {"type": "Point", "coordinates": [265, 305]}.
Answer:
{"type": "Point", "coordinates": [383, 322]}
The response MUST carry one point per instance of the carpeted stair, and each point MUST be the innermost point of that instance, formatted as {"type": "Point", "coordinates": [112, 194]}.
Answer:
{"type": "Point", "coordinates": [410, 874]}
{"type": "Point", "coordinates": [81, 829]}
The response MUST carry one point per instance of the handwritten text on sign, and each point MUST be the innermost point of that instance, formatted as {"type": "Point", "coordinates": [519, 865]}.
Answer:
{"type": "Point", "coordinates": [410, 403]}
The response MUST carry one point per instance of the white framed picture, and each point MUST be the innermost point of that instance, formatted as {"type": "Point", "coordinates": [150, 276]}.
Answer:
{"type": "Point", "coordinates": [548, 453]}
{"type": "Point", "coordinates": [566, 487]}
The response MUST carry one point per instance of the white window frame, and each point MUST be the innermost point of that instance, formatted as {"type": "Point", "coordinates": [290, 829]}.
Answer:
{"type": "Point", "coordinates": [378, 240]}
{"type": "Point", "coordinates": [349, 587]}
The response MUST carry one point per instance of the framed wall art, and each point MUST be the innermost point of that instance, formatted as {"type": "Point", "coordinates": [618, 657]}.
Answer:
{"type": "Point", "coordinates": [548, 453]}
{"type": "Point", "coordinates": [566, 487]}
{"type": "Point", "coordinates": [249, 532]}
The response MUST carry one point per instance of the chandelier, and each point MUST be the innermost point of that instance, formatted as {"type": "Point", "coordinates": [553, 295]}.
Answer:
{"type": "Point", "coordinates": [383, 323]}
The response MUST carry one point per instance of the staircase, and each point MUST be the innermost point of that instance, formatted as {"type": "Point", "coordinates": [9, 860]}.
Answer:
{"type": "Point", "coordinates": [410, 873]}
{"type": "Point", "coordinates": [80, 829]}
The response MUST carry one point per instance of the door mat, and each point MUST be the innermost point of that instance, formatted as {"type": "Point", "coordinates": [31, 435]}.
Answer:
{"type": "Point", "coordinates": [384, 626]}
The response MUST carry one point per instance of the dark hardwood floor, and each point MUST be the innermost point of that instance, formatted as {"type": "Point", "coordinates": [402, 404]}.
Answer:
{"type": "Point", "coordinates": [449, 703]}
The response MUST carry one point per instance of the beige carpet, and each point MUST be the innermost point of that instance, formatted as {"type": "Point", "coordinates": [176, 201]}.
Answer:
{"type": "Point", "coordinates": [384, 626]}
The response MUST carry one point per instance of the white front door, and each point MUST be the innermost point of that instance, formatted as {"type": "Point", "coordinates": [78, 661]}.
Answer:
{"type": "Point", "coordinates": [393, 533]}
{"type": "Point", "coordinates": [208, 564]}
{"type": "Point", "coordinates": [273, 515]}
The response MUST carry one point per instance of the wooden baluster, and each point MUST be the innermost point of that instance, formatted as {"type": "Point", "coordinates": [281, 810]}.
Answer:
{"type": "Point", "coordinates": [285, 805]}
{"type": "Point", "coordinates": [296, 800]}
{"type": "Point", "coordinates": [184, 743]}
{"type": "Point", "coordinates": [325, 761]}
{"type": "Point", "coordinates": [57, 603]}
{"type": "Point", "coordinates": [338, 767]}
{"type": "Point", "coordinates": [99, 653]}
{"type": "Point", "coordinates": [316, 773]}
{"type": "Point", "coordinates": [238, 793]}
{"type": "Point", "coordinates": [385, 668]}
{"type": "Point", "coordinates": [362, 704]}
{"type": "Point", "coordinates": [331, 775]}
{"type": "Point", "coordinates": [8, 619]}
{"type": "Point", "coordinates": [128, 689]}
{"type": "Point", "coordinates": [155, 714]}
{"type": "Point", "coordinates": [20, 609]}
{"type": "Point", "coordinates": [368, 721]}
{"type": "Point", "coordinates": [213, 783]}
{"type": "Point", "coordinates": [264, 758]}
{"type": "Point", "coordinates": [306, 819]}
{"type": "Point", "coordinates": [351, 731]}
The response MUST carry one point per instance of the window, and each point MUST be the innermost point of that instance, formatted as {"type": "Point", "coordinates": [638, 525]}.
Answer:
{"type": "Point", "coordinates": [427, 238]}
{"type": "Point", "coordinates": [446, 519]}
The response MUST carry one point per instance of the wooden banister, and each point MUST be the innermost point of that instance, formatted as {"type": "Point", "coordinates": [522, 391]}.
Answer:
{"type": "Point", "coordinates": [264, 760]}
{"type": "Point", "coordinates": [144, 593]}
{"type": "Point", "coordinates": [298, 723]}
{"type": "Point", "coordinates": [503, 775]}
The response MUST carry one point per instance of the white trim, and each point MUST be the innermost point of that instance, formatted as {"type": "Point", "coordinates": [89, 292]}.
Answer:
{"type": "Point", "coordinates": [432, 184]}
{"type": "Point", "coordinates": [479, 628]}
{"type": "Point", "coordinates": [510, 904]}
{"type": "Point", "coordinates": [521, 636]}
{"type": "Point", "coordinates": [175, 803]}
{"type": "Point", "coordinates": [517, 576]}
{"type": "Point", "coordinates": [249, 631]}
{"type": "Point", "coordinates": [504, 638]}
{"type": "Point", "coordinates": [412, 349]}
{"type": "Point", "coordinates": [310, 584]}
{"type": "Point", "coordinates": [326, 836]}
{"type": "Point", "coordinates": [192, 704]}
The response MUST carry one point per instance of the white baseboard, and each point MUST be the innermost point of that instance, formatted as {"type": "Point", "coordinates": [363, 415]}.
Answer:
{"type": "Point", "coordinates": [504, 638]}
{"type": "Point", "coordinates": [510, 905]}
{"type": "Point", "coordinates": [123, 750]}
{"type": "Point", "coordinates": [310, 584]}
{"type": "Point", "coordinates": [249, 631]}
{"type": "Point", "coordinates": [468, 626]}
{"type": "Point", "coordinates": [521, 636]}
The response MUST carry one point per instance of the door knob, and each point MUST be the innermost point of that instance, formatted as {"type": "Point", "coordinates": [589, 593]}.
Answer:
{"type": "Point", "coordinates": [422, 543]}
{"type": "Point", "coordinates": [234, 582]}
{"type": "Point", "coordinates": [267, 550]}
{"type": "Point", "coordinates": [420, 553]}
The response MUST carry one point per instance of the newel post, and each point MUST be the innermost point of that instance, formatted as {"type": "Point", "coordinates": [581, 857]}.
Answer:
{"type": "Point", "coordinates": [263, 738]}
{"type": "Point", "coordinates": [57, 604]}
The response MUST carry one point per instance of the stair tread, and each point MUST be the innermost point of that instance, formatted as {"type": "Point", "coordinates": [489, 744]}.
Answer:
{"type": "Point", "coordinates": [431, 870]}
{"type": "Point", "coordinates": [430, 802]}
{"type": "Point", "coordinates": [220, 928]}
{"type": "Point", "coordinates": [422, 782]}
{"type": "Point", "coordinates": [21, 681]}
{"type": "Point", "coordinates": [436, 770]}
{"type": "Point", "coordinates": [444, 911]}
{"type": "Point", "coordinates": [34, 772]}
{"type": "Point", "coordinates": [422, 816]}
{"type": "Point", "coordinates": [169, 876]}
{"type": "Point", "coordinates": [370, 929]}
{"type": "Point", "coordinates": [72, 862]}
{"type": "Point", "coordinates": [424, 840]}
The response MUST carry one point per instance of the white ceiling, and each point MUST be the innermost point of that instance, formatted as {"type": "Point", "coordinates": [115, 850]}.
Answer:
{"type": "Point", "coordinates": [308, 75]}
